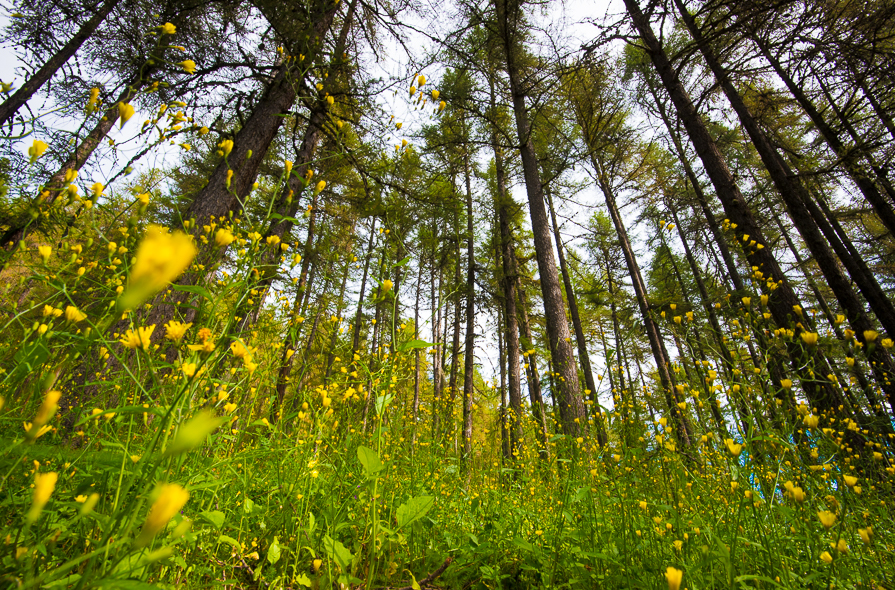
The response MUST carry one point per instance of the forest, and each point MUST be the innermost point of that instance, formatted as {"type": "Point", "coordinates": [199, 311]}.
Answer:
{"type": "Point", "coordinates": [480, 294]}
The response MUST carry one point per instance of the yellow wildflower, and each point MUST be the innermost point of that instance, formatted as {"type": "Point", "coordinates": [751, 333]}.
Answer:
{"type": "Point", "coordinates": [36, 150]}
{"type": "Point", "coordinates": [168, 29]}
{"type": "Point", "coordinates": [125, 112]}
{"type": "Point", "coordinates": [74, 315]}
{"type": "Point", "coordinates": [45, 413]}
{"type": "Point", "coordinates": [809, 338]}
{"type": "Point", "coordinates": [827, 518]}
{"type": "Point", "coordinates": [175, 330]}
{"type": "Point", "coordinates": [44, 484]}
{"type": "Point", "coordinates": [161, 258]}
{"type": "Point", "coordinates": [734, 448]}
{"type": "Point", "coordinates": [223, 237]}
{"type": "Point", "coordinates": [673, 576]}
{"type": "Point", "coordinates": [139, 338]}
{"type": "Point", "coordinates": [171, 498]}
{"type": "Point", "coordinates": [188, 66]}
{"type": "Point", "coordinates": [45, 252]}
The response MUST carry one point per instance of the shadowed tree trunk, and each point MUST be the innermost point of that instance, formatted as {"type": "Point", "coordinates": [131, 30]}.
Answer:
{"type": "Point", "coordinates": [507, 257]}
{"type": "Point", "coordinates": [535, 393]}
{"type": "Point", "coordinates": [469, 359]}
{"type": "Point", "coordinates": [583, 355]}
{"type": "Point", "coordinates": [571, 408]}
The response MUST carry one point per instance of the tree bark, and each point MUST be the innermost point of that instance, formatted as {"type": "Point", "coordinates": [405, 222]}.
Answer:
{"type": "Point", "coordinates": [571, 408]}
{"type": "Point", "coordinates": [536, 397]}
{"type": "Point", "coordinates": [507, 255]}
{"type": "Point", "coordinates": [583, 355]}
{"type": "Point", "coordinates": [468, 359]}
{"type": "Point", "coordinates": [880, 205]}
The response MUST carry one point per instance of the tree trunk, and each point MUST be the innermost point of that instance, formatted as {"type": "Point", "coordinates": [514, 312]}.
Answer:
{"type": "Point", "coordinates": [682, 428]}
{"type": "Point", "coordinates": [536, 397]}
{"type": "Point", "coordinates": [803, 210]}
{"type": "Point", "coordinates": [469, 359]}
{"type": "Point", "coordinates": [416, 353]}
{"type": "Point", "coordinates": [507, 255]}
{"type": "Point", "coordinates": [583, 355]}
{"type": "Point", "coordinates": [12, 104]}
{"type": "Point", "coordinates": [571, 408]}
{"type": "Point", "coordinates": [880, 205]}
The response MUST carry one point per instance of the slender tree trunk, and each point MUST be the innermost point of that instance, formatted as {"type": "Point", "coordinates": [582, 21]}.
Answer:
{"type": "Point", "coordinates": [416, 353]}
{"type": "Point", "coordinates": [729, 363]}
{"type": "Point", "coordinates": [663, 363]}
{"type": "Point", "coordinates": [503, 414]}
{"type": "Point", "coordinates": [331, 355]}
{"type": "Point", "coordinates": [507, 255]}
{"type": "Point", "coordinates": [437, 360]}
{"type": "Point", "coordinates": [719, 240]}
{"type": "Point", "coordinates": [881, 206]}
{"type": "Point", "coordinates": [355, 339]}
{"type": "Point", "coordinates": [569, 401]}
{"type": "Point", "coordinates": [469, 359]}
{"type": "Point", "coordinates": [583, 355]}
{"type": "Point", "coordinates": [536, 396]}
{"type": "Point", "coordinates": [12, 104]}
{"type": "Point", "coordinates": [53, 188]}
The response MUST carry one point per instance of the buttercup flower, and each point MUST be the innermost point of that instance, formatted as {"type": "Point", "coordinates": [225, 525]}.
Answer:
{"type": "Point", "coordinates": [171, 498]}
{"type": "Point", "coordinates": [175, 330]}
{"type": "Point", "coordinates": [673, 576]}
{"type": "Point", "coordinates": [161, 258]}
{"type": "Point", "coordinates": [36, 150]}
{"type": "Point", "coordinates": [139, 338]}
{"type": "Point", "coordinates": [44, 484]}
{"type": "Point", "coordinates": [74, 315]}
{"type": "Point", "coordinates": [125, 112]}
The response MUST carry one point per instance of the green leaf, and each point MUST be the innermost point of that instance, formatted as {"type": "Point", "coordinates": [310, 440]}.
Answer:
{"type": "Point", "coordinates": [214, 517]}
{"type": "Point", "coordinates": [414, 344]}
{"type": "Point", "coordinates": [338, 552]}
{"type": "Point", "coordinates": [273, 553]}
{"type": "Point", "coordinates": [194, 432]}
{"type": "Point", "coordinates": [230, 541]}
{"type": "Point", "coordinates": [66, 582]}
{"type": "Point", "coordinates": [382, 402]}
{"type": "Point", "coordinates": [414, 509]}
{"type": "Point", "coordinates": [283, 217]}
{"type": "Point", "coordinates": [403, 262]}
{"type": "Point", "coordinates": [303, 580]}
{"type": "Point", "coordinates": [370, 460]}
{"type": "Point", "coordinates": [523, 544]}
{"type": "Point", "coordinates": [194, 289]}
